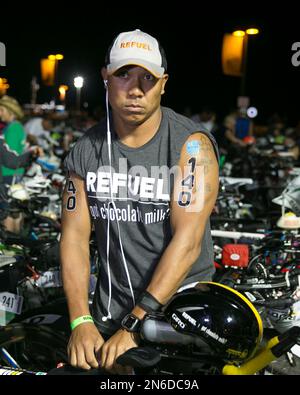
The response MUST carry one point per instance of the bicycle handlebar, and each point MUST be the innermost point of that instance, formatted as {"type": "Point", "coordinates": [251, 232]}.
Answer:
{"type": "Point", "coordinates": [289, 281]}
{"type": "Point", "coordinates": [275, 303]}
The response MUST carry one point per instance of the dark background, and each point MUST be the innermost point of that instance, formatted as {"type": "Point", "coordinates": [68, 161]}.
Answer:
{"type": "Point", "coordinates": [190, 32]}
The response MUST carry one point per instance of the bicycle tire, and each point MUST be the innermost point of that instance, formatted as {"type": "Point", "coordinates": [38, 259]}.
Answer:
{"type": "Point", "coordinates": [34, 348]}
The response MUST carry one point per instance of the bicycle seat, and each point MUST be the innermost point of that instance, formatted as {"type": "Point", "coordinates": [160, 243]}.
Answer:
{"type": "Point", "coordinates": [139, 357]}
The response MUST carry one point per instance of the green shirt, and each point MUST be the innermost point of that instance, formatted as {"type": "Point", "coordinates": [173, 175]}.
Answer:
{"type": "Point", "coordinates": [15, 138]}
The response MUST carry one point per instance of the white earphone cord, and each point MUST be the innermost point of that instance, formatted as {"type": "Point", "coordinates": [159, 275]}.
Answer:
{"type": "Point", "coordinates": [108, 316]}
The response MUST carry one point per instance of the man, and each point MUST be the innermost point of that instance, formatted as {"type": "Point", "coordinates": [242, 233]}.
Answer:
{"type": "Point", "coordinates": [15, 137]}
{"type": "Point", "coordinates": [236, 127]}
{"type": "Point", "coordinates": [206, 118]}
{"type": "Point", "coordinates": [147, 178]}
{"type": "Point", "coordinates": [38, 130]}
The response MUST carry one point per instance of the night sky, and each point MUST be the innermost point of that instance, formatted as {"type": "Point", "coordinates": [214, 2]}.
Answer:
{"type": "Point", "coordinates": [191, 38]}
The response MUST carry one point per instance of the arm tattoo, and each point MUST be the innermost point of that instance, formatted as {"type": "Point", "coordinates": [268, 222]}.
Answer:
{"type": "Point", "coordinates": [206, 163]}
{"type": "Point", "coordinates": [71, 202]}
{"type": "Point", "coordinates": [206, 145]}
{"type": "Point", "coordinates": [185, 197]}
{"type": "Point", "coordinates": [207, 188]}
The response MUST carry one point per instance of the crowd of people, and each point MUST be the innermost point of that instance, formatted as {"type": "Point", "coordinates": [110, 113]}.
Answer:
{"type": "Point", "coordinates": [236, 130]}
{"type": "Point", "coordinates": [20, 131]}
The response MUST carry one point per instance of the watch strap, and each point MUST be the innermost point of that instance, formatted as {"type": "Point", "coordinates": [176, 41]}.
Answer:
{"type": "Point", "coordinates": [148, 302]}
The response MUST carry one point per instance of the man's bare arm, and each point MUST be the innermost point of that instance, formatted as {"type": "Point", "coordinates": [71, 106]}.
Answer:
{"type": "Point", "coordinates": [195, 193]}
{"type": "Point", "coordinates": [74, 246]}
{"type": "Point", "coordinates": [85, 341]}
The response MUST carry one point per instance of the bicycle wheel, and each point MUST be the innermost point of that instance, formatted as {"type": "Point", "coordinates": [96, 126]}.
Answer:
{"type": "Point", "coordinates": [283, 367]}
{"type": "Point", "coordinates": [35, 348]}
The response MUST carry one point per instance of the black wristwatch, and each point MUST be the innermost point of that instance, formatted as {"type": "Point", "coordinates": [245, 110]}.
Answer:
{"type": "Point", "coordinates": [131, 323]}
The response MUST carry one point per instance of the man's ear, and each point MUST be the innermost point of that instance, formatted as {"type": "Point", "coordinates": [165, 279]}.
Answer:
{"type": "Point", "coordinates": [164, 81]}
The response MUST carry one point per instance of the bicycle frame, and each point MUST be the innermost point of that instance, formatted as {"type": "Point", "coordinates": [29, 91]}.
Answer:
{"type": "Point", "coordinates": [276, 347]}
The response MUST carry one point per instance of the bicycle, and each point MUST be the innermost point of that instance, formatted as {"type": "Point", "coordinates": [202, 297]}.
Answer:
{"type": "Point", "coordinates": [195, 335]}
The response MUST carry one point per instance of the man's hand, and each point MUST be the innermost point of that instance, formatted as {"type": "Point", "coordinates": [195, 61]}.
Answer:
{"type": "Point", "coordinates": [120, 342]}
{"type": "Point", "coordinates": [36, 151]}
{"type": "Point", "coordinates": [84, 343]}
{"type": "Point", "coordinates": [241, 143]}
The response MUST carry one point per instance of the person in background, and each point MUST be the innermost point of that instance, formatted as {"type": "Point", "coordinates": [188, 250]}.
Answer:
{"type": "Point", "coordinates": [237, 126]}
{"type": "Point", "coordinates": [278, 134]}
{"type": "Point", "coordinates": [276, 129]}
{"type": "Point", "coordinates": [12, 160]}
{"type": "Point", "coordinates": [243, 124]}
{"type": "Point", "coordinates": [14, 134]}
{"type": "Point", "coordinates": [38, 130]}
{"type": "Point", "coordinates": [206, 118]}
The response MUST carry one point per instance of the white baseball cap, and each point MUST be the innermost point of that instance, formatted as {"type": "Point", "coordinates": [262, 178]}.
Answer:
{"type": "Point", "coordinates": [139, 49]}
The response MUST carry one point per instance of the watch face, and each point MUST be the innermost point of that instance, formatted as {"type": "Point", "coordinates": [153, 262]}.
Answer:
{"type": "Point", "coordinates": [130, 322]}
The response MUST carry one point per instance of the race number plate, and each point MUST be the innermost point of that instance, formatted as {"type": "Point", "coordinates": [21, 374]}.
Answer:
{"type": "Point", "coordinates": [11, 302]}
{"type": "Point", "coordinates": [49, 279]}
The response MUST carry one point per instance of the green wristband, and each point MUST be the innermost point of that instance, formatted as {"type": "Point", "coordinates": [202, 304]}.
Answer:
{"type": "Point", "coordinates": [81, 320]}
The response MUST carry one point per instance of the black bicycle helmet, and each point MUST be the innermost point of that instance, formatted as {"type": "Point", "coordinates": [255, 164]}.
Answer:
{"type": "Point", "coordinates": [225, 319]}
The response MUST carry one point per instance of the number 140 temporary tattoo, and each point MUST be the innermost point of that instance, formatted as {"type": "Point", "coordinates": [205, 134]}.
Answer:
{"type": "Point", "coordinates": [185, 196]}
{"type": "Point", "coordinates": [71, 202]}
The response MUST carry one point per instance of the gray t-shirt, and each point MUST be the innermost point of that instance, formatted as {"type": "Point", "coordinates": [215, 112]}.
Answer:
{"type": "Point", "coordinates": [142, 183]}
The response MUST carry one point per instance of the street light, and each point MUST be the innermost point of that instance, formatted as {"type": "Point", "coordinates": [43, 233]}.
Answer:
{"type": "Point", "coordinates": [252, 31]}
{"type": "Point", "coordinates": [245, 33]}
{"type": "Point", "coordinates": [56, 58]}
{"type": "Point", "coordinates": [62, 92]}
{"type": "Point", "coordinates": [78, 83]}
{"type": "Point", "coordinates": [239, 33]}
{"type": "Point", "coordinates": [3, 86]}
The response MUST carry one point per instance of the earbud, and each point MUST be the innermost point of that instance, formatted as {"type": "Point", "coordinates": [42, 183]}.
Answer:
{"type": "Point", "coordinates": [105, 83]}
